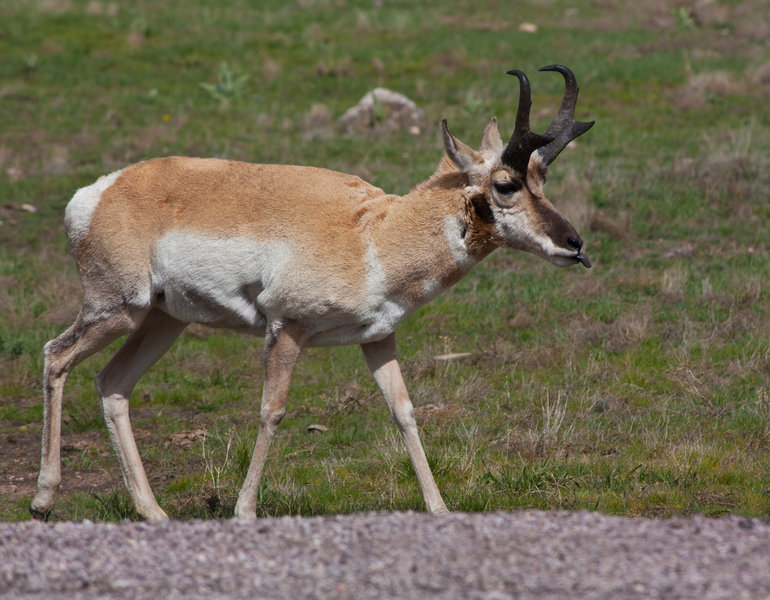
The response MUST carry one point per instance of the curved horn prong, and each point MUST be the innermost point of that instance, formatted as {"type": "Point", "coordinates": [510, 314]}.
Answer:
{"type": "Point", "coordinates": [563, 128]}
{"type": "Point", "coordinates": [525, 100]}
{"type": "Point", "coordinates": [568, 102]}
{"type": "Point", "coordinates": [523, 140]}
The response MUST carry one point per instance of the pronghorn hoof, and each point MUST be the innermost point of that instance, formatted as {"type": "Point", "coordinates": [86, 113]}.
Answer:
{"type": "Point", "coordinates": [39, 515]}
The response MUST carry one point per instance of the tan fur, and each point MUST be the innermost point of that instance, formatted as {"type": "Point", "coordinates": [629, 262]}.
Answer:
{"type": "Point", "coordinates": [315, 207]}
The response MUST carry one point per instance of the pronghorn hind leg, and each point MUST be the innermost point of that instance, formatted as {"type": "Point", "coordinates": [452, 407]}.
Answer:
{"type": "Point", "coordinates": [381, 358]}
{"type": "Point", "coordinates": [115, 383]}
{"type": "Point", "coordinates": [283, 344]}
{"type": "Point", "coordinates": [62, 354]}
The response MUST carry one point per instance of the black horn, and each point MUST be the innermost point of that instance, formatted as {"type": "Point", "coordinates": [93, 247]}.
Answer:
{"type": "Point", "coordinates": [524, 141]}
{"type": "Point", "coordinates": [564, 128]}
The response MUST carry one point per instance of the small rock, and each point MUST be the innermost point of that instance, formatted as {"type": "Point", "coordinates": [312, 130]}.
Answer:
{"type": "Point", "coordinates": [188, 438]}
{"type": "Point", "coordinates": [686, 250]}
{"type": "Point", "coordinates": [316, 427]}
{"type": "Point", "coordinates": [528, 27]}
{"type": "Point", "coordinates": [381, 107]}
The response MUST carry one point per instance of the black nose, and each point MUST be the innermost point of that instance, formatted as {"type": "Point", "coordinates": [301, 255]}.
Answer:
{"type": "Point", "coordinates": [576, 244]}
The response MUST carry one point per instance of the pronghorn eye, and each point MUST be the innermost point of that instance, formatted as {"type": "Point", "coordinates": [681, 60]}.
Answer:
{"type": "Point", "coordinates": [507, 187]}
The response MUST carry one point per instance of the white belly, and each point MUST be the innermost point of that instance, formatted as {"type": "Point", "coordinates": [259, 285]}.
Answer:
{"type": "Point", "coordinates": [215, 281]}
{"type": "Point", "coordinates": [369, 326]}
{"type": "Point", "coordinates": [239, 283]}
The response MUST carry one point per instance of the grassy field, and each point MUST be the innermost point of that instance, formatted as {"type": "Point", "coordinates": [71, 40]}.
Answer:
{"type": "Point", "coordinates": [640, 387]}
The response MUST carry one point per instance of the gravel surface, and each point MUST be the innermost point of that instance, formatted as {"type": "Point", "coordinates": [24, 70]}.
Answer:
{"type": "Point", "coordinates": [399, 555]}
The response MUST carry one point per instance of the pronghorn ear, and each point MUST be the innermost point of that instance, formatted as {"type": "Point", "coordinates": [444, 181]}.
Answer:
{"type": "Point", "coordinates": [464, 157]}
{"type": "Point", "coordinates": [490, 139]}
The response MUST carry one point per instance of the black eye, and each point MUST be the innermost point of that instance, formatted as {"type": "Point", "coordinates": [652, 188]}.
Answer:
{"type": "Point", "coordinates": [507, 187]}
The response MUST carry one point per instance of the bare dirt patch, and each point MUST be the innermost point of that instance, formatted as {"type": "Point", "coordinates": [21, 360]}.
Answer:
{"type": "Point", "coordinates": [20, 460]}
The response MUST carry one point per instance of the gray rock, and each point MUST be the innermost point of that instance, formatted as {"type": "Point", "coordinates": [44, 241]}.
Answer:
{"type": "Point", "coordinates": [381, 107]}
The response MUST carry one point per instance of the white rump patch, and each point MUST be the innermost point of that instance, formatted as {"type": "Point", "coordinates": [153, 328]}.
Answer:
{"type": "Point", "coordinates": [77, 215]}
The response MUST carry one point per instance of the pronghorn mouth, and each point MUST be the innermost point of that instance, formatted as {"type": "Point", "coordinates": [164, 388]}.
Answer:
{"type": "Point", "coordinates": [583, 259]}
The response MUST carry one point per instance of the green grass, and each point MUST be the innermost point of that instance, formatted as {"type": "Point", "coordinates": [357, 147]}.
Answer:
{"type": "Point", "coordinates": [641, 387]}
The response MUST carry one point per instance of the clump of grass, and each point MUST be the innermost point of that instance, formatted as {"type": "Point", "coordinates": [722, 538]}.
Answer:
{"type": "Point", "coordinates": [229, 87]}
{"type": "Point", "coordinates": [553, 418]}
{"type": "Point", "coordinates": [115, 505]}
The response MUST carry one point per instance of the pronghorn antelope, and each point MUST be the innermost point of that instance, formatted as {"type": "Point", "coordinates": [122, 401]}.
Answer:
{"type": "Point", "coordinates": [301, 255]}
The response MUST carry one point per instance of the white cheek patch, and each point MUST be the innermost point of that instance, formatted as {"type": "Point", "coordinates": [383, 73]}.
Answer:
{"type": "Point", "coordinates": [77, 215]}
{"type": "Point", "coordinates": [515, 227]}
{"type": "Point", "coordinates": [216, 280]}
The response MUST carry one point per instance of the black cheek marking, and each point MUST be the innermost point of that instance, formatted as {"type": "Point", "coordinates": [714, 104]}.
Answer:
{"type": "Point", "coordinates": [481, 206]}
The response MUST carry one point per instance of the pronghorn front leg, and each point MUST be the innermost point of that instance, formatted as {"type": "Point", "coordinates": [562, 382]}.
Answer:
{"type": "Point", "coordinates": [381, 359]}
{"type": "Point", "coordinates": [283, 343]}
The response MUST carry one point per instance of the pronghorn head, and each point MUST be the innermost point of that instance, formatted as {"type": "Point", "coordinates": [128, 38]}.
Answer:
{"type": "Point", "coordinates": [505, 183]}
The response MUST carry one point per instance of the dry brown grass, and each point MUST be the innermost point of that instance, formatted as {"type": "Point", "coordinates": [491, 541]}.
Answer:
{"type": "Point", "coordinates": [694, 94]}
